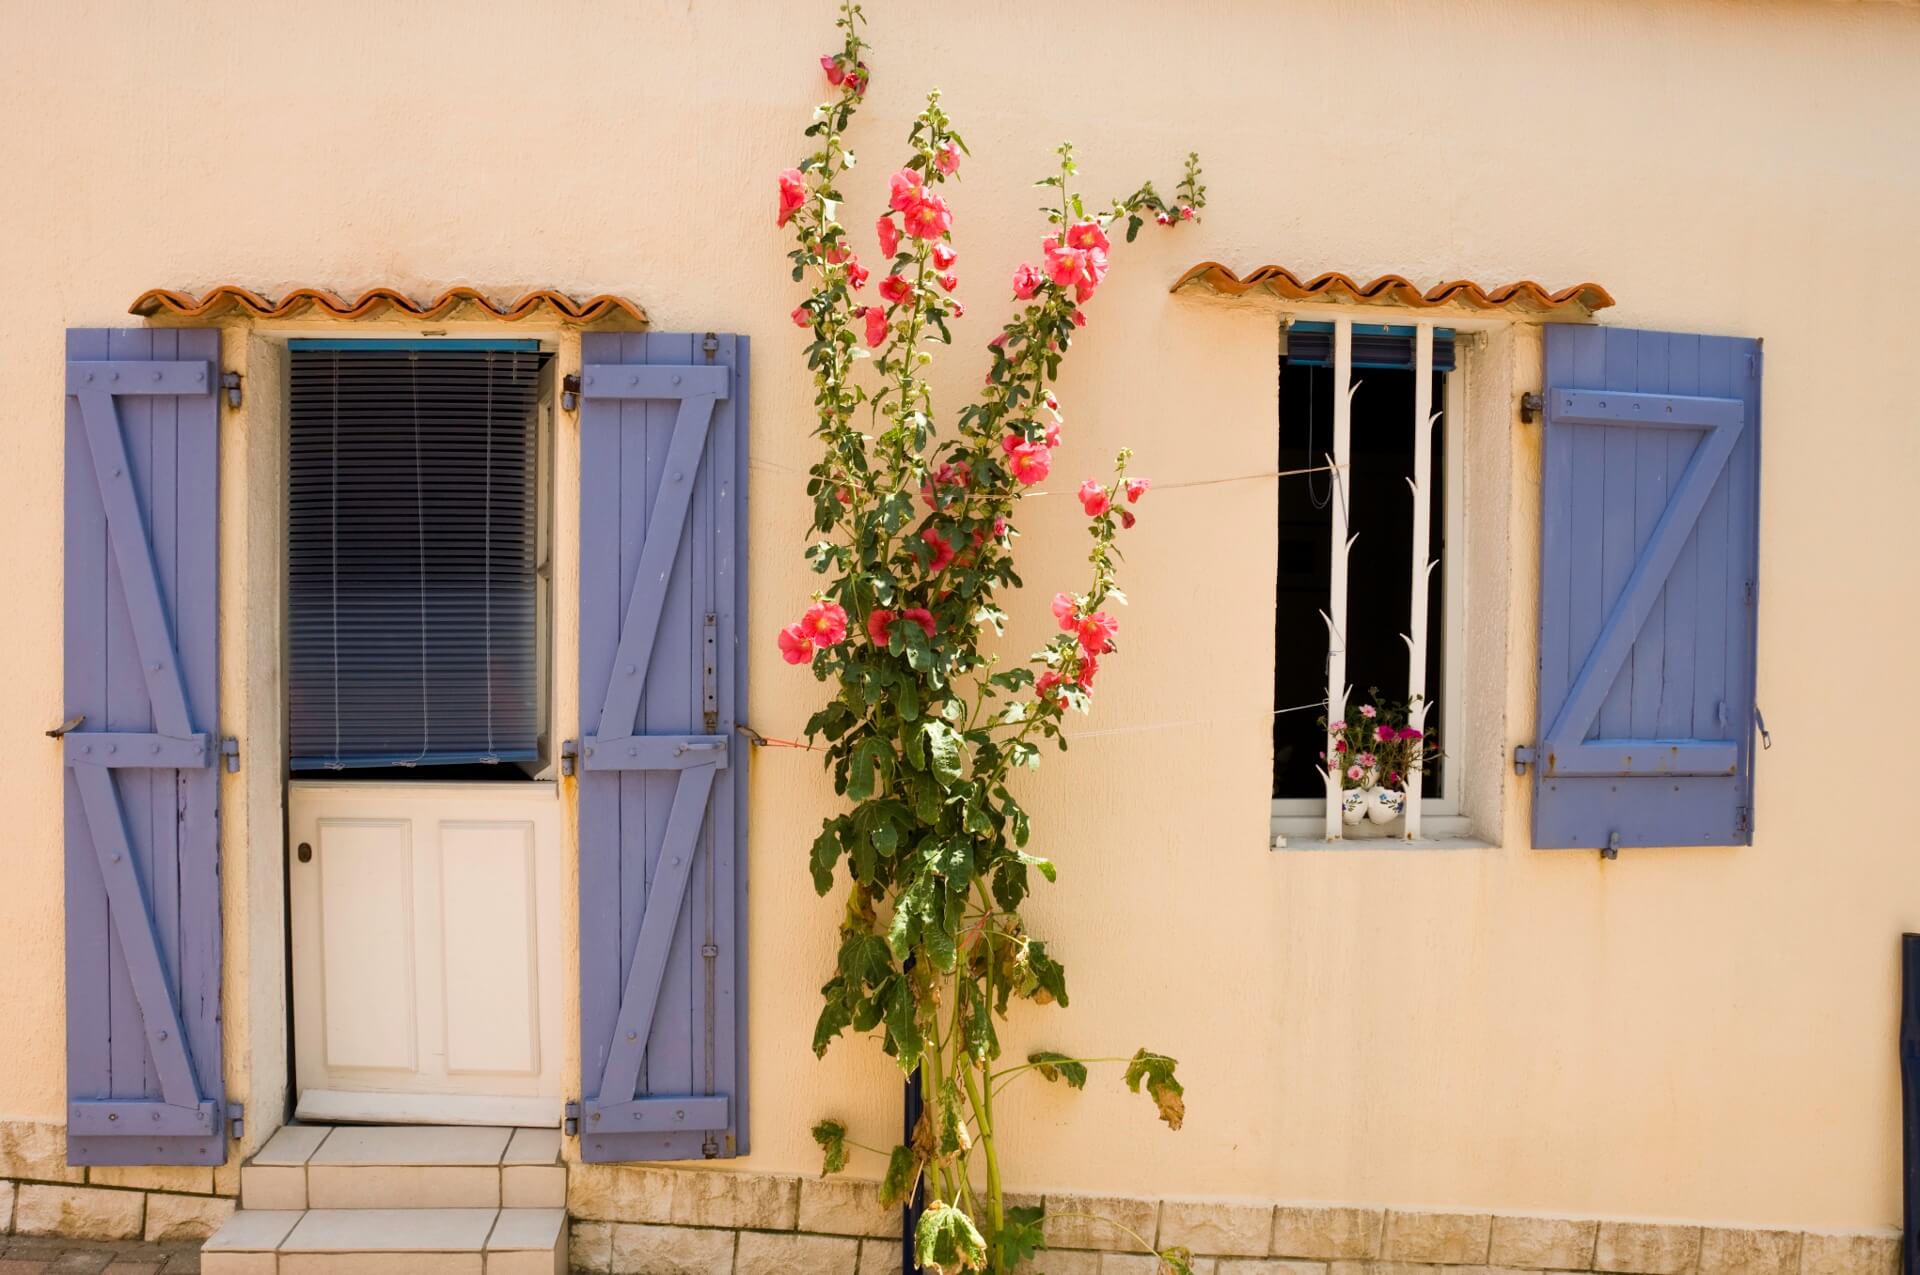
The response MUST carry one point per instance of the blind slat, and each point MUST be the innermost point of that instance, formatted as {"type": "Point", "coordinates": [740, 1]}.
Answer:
{"type": "Point", "coordinates": [411, 574]}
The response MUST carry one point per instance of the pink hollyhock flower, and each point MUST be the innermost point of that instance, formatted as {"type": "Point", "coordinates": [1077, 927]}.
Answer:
{"type": "Point", "coordinates": [1094, 498]}
{"type": "Point", "coordinates": [954, 474]}
{"type": "Point", "coordinates": [942, 550]}
{"type": "Point", "coordinates": [944, 256]}
{"type": "Point", "coordinates": [825, 623]}
{"type": "Point", "coordinates": [1354, 772]}
{"type": "Point", "coordinates": [889, 236]}
{"type": "Point", "coordinates": [801, 319]}
{"type": "Point", "coordinates": [857, 79]}
{"type": "Point", "coordinates": [1368, 710]}
{"type": "Point", "coordinates": [837, 254]}
{"type": "Point", "coordinates": [1186, 213]}
{"type": "Point", "coordinates": [835, 69]}
{"type": "Point", "coordinates": [920, 616]}
{"type": "Point", "coordinates": [1163, 219]}
{"type": "Point", "coordinates": [929, 218]}
{"type": "Point", "coordinates": [793, 194]}
{"type": "Point", "coordinates": [904, 189]}
{"type": "Point", "coordinates": [1383, 733]}
{"type": "Point", "coordinates": [1052, 438]}
{"type": "Point", "coordinates": [947, 159]}
{"type": "Point", "coordinates": [1088, 667]}
{"type": "Point", "coordinates": [1127, 519]}
{"type": "Point", "coordinates": [1064, 264]}
{"type": "Point", "coordinates": [949, 280]}
{"type": "Point", "coordinates": [1087, 234]}
{"type": "Point", "coordinates": [894, 289]}
{"type": "Point", "coordinates": [1097, 632]}
{"type": "Point", "coordinates": [857, 274]}
{"type": "Point", "coordinates": [876, 325]}
{"type": "Point", "coordinates": [1066, 611]}
{"type": "Point", "coordinates": [1080, 316]}
{"type": "Point", "coordinates": [795, 646]}
{"type": "Point", "coordinates": [998, 343]}
{"type": "Point", "coordinates": [877, 621]}
{"type": "Point", "coordinates": [959, 308]}
{"type": "Point", "coordinates": [1029, 462]}
{"type": "Point", "coordinates": [999, 527]}
{"type": "Point", "coordinates": [1026, 280]}
{"type": "Point", "coordinates": [844, 495]}
{"type": "Point", "coordinates": [1047, 687]}
{"type": "Point", "coordinates": [1136, 488]}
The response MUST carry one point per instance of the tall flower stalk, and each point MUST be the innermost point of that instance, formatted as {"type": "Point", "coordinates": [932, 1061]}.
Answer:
{"type": "Point", "coordinates": [915, 531]}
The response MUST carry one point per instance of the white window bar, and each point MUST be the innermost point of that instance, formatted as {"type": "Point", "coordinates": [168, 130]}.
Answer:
{"type": "Point", "coordinates": [1416, 638]}
{"type": "Point", "coordinates": [1336, 613]}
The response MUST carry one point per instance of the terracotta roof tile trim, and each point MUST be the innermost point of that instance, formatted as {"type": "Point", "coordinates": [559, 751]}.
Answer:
{"type": "Point", "coordinates": [1525, 296]}
{"type": "Point", "coordinates": [231, 297]}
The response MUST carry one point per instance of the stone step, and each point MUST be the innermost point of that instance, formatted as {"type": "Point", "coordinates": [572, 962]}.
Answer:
{"type": "Point", "coordinates": [414, 1241]}
{"type": "Point", "coordinates": [332, 1167]}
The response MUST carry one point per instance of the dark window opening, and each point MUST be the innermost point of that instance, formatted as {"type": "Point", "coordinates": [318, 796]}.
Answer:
{"type": "Point", "coordinates": [1379, 568]}
{"type": "Point", "coordinates": [413, 591]}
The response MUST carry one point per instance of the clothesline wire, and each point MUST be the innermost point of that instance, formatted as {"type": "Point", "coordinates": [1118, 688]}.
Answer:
{"type": "Point", "coordinates": [766, 741]}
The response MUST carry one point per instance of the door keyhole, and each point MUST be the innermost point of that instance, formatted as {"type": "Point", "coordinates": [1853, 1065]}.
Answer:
{"type": "Point", "coordinates": [305, 852]}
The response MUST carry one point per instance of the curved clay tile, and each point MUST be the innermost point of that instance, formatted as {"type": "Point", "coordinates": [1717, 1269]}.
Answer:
{"type": "Point", "coordinates": [233, 298]}
{"type": "Point", "coordinates": [1524, 296]}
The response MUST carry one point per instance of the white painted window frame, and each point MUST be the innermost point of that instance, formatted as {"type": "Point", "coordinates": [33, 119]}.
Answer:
{"type": "Point", "coordinates": [1314, 820]}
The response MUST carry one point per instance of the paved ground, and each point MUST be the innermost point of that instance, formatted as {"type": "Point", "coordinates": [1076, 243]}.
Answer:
{"type": "Point", "coordinates": [21, 1255]}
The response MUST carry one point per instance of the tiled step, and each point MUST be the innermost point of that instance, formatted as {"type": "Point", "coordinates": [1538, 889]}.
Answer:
{"type": "Point", "coordinates": [332, 1167]}
{"type": "Point", "coordinates": [413, 1241]}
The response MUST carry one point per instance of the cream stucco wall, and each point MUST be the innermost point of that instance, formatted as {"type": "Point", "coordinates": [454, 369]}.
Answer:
{"type": "Point", "coordinates": [1700, 1033]}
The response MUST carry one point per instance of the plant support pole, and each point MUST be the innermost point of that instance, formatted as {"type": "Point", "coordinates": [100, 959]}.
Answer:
{"type": "Point", "coordinates": [1423, 418]}
{"type": "Point", "coordinates": [1910, 1096]}
{"type": "Point", "coordinates": [1336, 613]}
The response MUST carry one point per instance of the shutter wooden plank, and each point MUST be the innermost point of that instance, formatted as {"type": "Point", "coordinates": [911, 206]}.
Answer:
{"type": "Point", "coordinates": [1651, 452]}
{"type": "Point", "coordinates": [659, 1001]}
{"type": "Point", "coordinates": [145, 1077]}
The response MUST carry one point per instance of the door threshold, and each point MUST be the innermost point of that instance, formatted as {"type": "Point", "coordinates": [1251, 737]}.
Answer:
{"type": "Point", "coordinates": [331, 1106]}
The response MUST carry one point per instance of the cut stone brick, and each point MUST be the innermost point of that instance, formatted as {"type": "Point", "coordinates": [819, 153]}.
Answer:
{"type": "Point", "coordinates": [1646, 1248]}
{"type": "Point", "coordinates": [590, 1246]}
{"type": "Point", "coordinates": [1327, 1233]}
{"type": "Point", "coordinates": [1736, 1251]}
{"type": "Point", "coordinates": [1452, 1238]}
{"type": "Point", "coordinates": [31, 1149]}
{"type": "Point", "coordinates": [639, 1249]}
{"type": "Point", "coordinates": [846, 1206]}
{"type": "Point", "coordinates": [1549, 1243]}
{"type": "Point", "coordinates": [1092, 1224]}
{"type": "Point", "coordinates": [763, 1254]}
{"type": "Point", "coordinates": [181, 1179]}
{"type": "Point", "coordinates": [1224, 1230]}
{"type": "Point", "coordinates": [1823, 1254]}
{"type": "Point", "coordinates": [82, 1213]}
{"type": "Point", "coordinates": [177, 1219]}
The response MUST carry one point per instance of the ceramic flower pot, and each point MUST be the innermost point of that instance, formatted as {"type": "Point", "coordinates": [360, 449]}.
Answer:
{"type": "Point", "coordinates": [1353, 805]}
{"type": "Point", "coordinates": [1384, 805]}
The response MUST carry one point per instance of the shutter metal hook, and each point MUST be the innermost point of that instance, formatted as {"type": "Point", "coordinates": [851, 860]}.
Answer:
{"type": "Point", "coordinates": [67, 727]}
{"type": "Point", "coordinates": [1760, 720]}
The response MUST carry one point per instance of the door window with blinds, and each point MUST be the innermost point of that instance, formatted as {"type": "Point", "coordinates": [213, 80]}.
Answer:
{"type": "Point", "coordinates": [415, 558]}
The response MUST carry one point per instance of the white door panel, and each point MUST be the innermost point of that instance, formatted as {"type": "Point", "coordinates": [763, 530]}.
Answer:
{"type": "Point", "coordinates": [426, 962]}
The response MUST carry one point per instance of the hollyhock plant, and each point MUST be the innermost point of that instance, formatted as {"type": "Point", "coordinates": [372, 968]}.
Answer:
{"type": "Point", "coordinates": [926, 723]}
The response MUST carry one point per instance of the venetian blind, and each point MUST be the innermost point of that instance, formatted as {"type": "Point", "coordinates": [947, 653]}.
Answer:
{"type": "Point", "coordinates": [412, 586]}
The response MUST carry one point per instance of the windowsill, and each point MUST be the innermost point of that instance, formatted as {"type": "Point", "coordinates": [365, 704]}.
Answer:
{"type": "Point", "coordinates": [1364, 845]}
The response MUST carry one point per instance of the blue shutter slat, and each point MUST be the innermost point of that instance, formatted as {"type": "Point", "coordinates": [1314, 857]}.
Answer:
{"type": "Point", "coordinates": [662, 487]}
{"type": "Point", "coordinates": [144, 1074]}
{"type": "Point", "coordinates": [1648, 552]}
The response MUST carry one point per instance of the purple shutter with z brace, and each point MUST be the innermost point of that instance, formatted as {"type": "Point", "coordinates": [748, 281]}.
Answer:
{"type": "Point", "coordinates": [1649, 561]}
{"type": "Point", "coordinates": [144, 1080]}
{"type": "Point", "coordinates": [663, 446]}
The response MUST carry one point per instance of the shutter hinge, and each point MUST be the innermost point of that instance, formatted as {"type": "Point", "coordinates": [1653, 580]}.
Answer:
{"type": "Point", "coordinates": [570, 392]}
{"type": "Point", "coordinates": [237, 1119]}
{"type": "Point", "coordinates": [1612, 850]}
{"type": "Point", "coordinates": [230, 750]}
{"type": "Point", "coordinates": [711, 345]}
{"type": "Point", "coordinates": [1760, 720]}
{"type": "Point", "coordinates": [1531, 405]}
{"type": "Point", "coordinates": [1522, 758]}
{"type": "Point", "coordinates": [230, 382]}
{"type": "Point", "coordinates": [569, 749]}
{"type": "Point", "coordinates": [710, 673]}
{"type": "Point", "coordinates": [710, 1148]}
{"type": "Point", "coordinates": [571, 1125]}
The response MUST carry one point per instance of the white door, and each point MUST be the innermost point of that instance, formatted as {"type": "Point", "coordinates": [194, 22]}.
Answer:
{"type": "Point", "coordinates": [426, 955]}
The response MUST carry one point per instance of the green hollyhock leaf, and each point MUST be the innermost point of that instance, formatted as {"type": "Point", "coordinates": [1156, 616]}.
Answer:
{"type": "Point", "coordinates": [982, 1041]}
{"type": "Point", "coordinates": [907, 701]}
{"type": "Point", "coordinates": [832, 1137]}
{"type": "Point", "coordinates": [944, 751]}
{"type": "Point", "coordinates": [954, 1138]}
{"type": "Point", "coordinates": [1053, 1066]}
{"type": "Point", "coordinates": [1019, 1237]}
{"type": "Point", "coordinates": [834, 1019]}
{"type": "Point", "coordinates": [865, 959]}
{"type": "Point", "coordinates": [826, 853]}
{"type": "Point", "coordinates": [868, 754]}
{"type": "Point", "coordinates": [1049, 974]}
{"type": "Point", "coordinates": [1030, 860]}
{"type": "Point", "coordinates": [1156, 1070]}
{"type": "Point", "coordinates": [896, 1187]}
{"type": "Point", "coordinates": [903, 1025]}
{"type": "Point", "coordinates": [947, 1242]}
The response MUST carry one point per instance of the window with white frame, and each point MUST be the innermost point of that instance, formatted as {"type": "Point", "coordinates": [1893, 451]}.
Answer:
{"type": "Point", "coordinates": [1370, 571]}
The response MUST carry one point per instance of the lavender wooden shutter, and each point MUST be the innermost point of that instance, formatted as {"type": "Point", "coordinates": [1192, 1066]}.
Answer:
{"type": "Point", "coordinates": [663, 448]}
{"type": "Point", "coordinates": [144, 1081]}
{"type": "Point", "coordinates": [1648, 570]}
